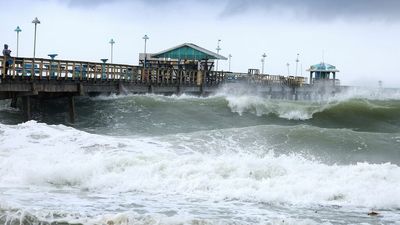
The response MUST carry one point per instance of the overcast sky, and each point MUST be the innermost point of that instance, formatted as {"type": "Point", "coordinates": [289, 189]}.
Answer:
{"type": "Point", "coordinates": [360, 37]}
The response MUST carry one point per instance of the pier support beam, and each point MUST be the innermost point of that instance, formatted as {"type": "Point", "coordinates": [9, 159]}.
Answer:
{"type": "Point", "coordinates": [26, 105]}
{"type": "Point", "coordinates": [71, 103]}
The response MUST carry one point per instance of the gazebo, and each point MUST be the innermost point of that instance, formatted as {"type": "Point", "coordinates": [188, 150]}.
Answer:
{"type": "Point", "coordinates": [322, 72]}
{"type": "Point", "coordinates": [189, 55]}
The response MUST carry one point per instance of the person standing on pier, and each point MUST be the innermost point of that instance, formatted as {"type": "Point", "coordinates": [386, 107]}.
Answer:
{"type": "Point", "coordinates": [7, 58]}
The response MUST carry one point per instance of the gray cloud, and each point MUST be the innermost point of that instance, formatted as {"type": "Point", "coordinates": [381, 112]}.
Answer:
{"type": "Point", "coordinates": [323, 9]}
{"type": "Point", "coordinates": [388, 10]}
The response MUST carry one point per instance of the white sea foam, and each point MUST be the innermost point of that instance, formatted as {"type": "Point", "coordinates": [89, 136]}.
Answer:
{"type": "Point", "coordinates": [58, 156]}
{"type": "Point", "coordinates": [242, 99]}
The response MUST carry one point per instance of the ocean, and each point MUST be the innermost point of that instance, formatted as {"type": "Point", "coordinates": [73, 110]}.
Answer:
{"type": "Point", "coordinates": [234, 157]}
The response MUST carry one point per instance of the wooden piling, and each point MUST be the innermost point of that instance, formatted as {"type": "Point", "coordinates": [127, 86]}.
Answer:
{"type": "Point", "coordinates": [26, 105]}
{"type": "Point", "coordinates": [71, 103]}
{"type": "Point", "coordinates": [14, 100]}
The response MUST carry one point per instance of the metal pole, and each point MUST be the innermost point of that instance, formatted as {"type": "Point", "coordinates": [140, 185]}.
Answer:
{"type": "Point", "coordinates": [297, 62]}
{"type": "Point", "coordinates": [263, 63]}
{"type": "Point", "coordinates": [218, 49]}
{"type": "Point", "coordinates": [230, 57]}
{"type": "Point", "coordinates": [145, 46]}
{"type": "Point", "coordinates": [262, 66]}
{"type": "Point", "coordinates": [112, 53]}
{"type": "Point", "coordinates": [145, 55]}
{"type": "Point", "coordinates": [288, 72]}
{"type": "Point", "coordinates": [112, 42]}
{"type": "Point", "coordinates": [17, 43]}
{"type": "Point", "coordinates": [17, 30]}
{"type": "Point", "coordinates": [35, 21]}
{"type": "Point", "coordinates": [34, 44]}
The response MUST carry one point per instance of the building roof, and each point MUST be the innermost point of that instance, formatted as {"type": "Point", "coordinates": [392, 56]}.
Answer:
{"type": "Point", "coordinates": [188, 51]}
{"type": "Point", "coordinates": [322, 67]}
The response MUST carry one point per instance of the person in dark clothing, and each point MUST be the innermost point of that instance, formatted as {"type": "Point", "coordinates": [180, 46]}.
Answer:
{"type": "Point", "coordinates": [7, 58]}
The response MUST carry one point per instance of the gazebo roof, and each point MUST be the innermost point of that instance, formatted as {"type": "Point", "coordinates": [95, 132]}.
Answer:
{"type": "Point", "coordinates": [322, 67]}
{"type": "Point", "coordinates": [188, 51]}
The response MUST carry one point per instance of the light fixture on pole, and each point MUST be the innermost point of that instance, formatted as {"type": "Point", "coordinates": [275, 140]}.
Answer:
{"type": "Point", "coordinates": [112, 42]}
{"type": "Point", "coordinates": [218, 49]}
{"type": "Point", "coordinates": [297, 62]}
{"type": "Point", "coordinates": [263, 62]}
{"type": "Point", "coordinates": [288, 71]}
{"type": "Point", "coordinates": [17, 30]}
{"type": "Point", "coordinates": [230, 58]}
{"type": "Point", "coordinates": [36, 22]}
{"type": "Point", "coordinates": [145, 37]}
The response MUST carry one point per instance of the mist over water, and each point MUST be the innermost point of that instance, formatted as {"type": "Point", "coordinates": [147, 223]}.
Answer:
{"type": "Point", "coordinates": [232, 158]}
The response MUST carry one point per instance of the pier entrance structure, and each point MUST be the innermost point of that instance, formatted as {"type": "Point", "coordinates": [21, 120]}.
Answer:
{"type": "Point", "coordinates": [322, 72]}
{"type": "Point", "coordinates": [188, 56]}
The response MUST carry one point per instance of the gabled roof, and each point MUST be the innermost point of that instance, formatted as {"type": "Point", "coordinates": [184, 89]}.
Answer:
{"type": "Point", "coordinates": [323, 67]}
{"type": "Point", "coordinates": [188, 51]}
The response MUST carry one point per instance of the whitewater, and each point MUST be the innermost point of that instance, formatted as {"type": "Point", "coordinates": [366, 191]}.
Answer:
{"type": "Point", "coordinates": [230, 158]}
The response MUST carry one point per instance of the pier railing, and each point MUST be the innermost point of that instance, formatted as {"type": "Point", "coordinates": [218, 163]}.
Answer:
{"type": "Point", "coordinates": [48, 69]}
{"type": "Point", "coordinates": [266, 79]}
{"type": "Point", "coordinates": [62, 70]}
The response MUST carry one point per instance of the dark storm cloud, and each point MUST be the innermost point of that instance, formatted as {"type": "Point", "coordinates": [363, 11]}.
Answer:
{"type": "Point", "coordinates": [320, 9]}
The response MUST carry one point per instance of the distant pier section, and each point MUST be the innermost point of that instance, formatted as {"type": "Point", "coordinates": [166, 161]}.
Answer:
{"type": "Point", "coordinates": [186, 68]}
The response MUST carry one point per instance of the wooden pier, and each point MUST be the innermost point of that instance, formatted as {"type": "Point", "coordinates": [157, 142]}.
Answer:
{"type": "Point", "coordinates": [27, 78]}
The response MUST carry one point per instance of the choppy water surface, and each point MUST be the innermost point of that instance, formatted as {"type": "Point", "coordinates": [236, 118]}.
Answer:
{"type": "Point", "coordinates": [224, 159]}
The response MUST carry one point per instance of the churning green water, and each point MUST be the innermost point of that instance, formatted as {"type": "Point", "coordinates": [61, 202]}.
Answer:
{"type": "Point", "coordinates": [223, 159]}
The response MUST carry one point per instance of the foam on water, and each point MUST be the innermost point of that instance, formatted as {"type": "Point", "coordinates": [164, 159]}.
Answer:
{"type": "Point", "coordinates": [242, 99]}
{"type": "Point", "coordinates": [58, 156]}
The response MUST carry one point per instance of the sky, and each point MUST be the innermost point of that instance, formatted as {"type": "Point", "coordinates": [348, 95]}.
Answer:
{"type": "Point", "coordinates": [360, 37]}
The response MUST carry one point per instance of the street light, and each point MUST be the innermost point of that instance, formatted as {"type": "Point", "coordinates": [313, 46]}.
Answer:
{"type": "Point", "coordinates": [263, 62]}
{"type": "Point", "coordinates": [36, 22]}
{"type": "Point", "coordinates": [218, 49]}
{"type": "Point", "coordinates": [230, 57]}
{"type": "Point", "coordinates": [145, 45]}
{"type": "Point", "coordinates": [17, 30]}
{"type": "Point", "coordinates": [112, 42]}
{"type": "Point", "coordinates": [297, 62]}
{"type": "Point", "coordinates": [288, 71]}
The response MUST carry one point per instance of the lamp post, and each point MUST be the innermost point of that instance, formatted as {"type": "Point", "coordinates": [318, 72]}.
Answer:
{"type": "Point", "coordinates": [17, 30]}
{"type": "Point", "coordinates": [145, 37]}
{"type": "Point", "coordinates": [288, 71]}
{"type": "Point", "coordinates": [36, 22]}
{"type": "Point", "coordinates": [218, 49]}
{"type": "Point", "coordinates": [230, 58]}
{"type": "Point", "coordinates": [112, 42]}
{"type": "Point", "coordinates": [297, 62]}
{"type": "Point", "coordinates": [263, 62]}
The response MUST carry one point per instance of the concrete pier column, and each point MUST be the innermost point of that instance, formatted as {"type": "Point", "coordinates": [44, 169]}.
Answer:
{"type": "Point", "coordinates": [71, 103]}
{"type": "Point", "coordinates": [201, 90]}
{"type": "Point", "coordinates": [295, 94]}
{"type": "Point", "coordinates": [26, 105]}
{"type": "Point", "coordinates": [150, 89]}
{"type": "Point", "coordinates": [14, 102]}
